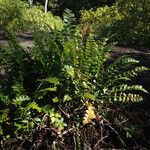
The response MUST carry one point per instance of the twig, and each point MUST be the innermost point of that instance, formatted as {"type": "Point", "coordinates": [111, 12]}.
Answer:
{"type": "Point", "coordinates": [2, 144]}
{"type": "Point", "coordinates": [22, 143]}
{"type": "Point", "coordinates": [117, 134]}
{"type": "Point", "coordinates": [71, 129]}
{"type": "Point", "coordinates": [67, 115]}
{"type": "Point", "coordinates": [100, 141]}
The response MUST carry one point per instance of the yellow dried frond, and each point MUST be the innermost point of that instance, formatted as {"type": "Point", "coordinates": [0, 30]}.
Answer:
{"type": "Point", "coordinates": [90, 114]}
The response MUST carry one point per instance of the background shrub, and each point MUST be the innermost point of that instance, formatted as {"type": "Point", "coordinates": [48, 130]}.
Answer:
{"type": "Point", "coordinates": [58, 6]}
{"type": "Point", "coordinates": [125, 23]}
{"type": "Point", "coordinates": [39, 20]}
{"type": "Point", "coordinates": [10, 11]}
{"type": "Point", "coordinates": [17, 16]}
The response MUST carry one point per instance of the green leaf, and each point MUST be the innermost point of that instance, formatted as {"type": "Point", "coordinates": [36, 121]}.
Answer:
{"type": "Point", "coordinates": [4, 116]}
{"type": "Point", "coordinates": [52, 80]}
{"type": "Point", "coordinates": [89, 96]}
{"type": "Point", "coordinates": [1, 131]}
{"type": "Point", "coordinates": [37, 119]}
{"type": "Point", "coordinates": [53, 119]}
{"type": "Point", "coordinates": [55, 100]}
{"type": "Point", "coordinates": [85, 85]}
{"type": "Point", "coordinates": [49, 89]}
{"type": "Point", "coordinates": [67, 98]}
{"type": "Point", "coordinates": [57, 115]}
{"type": "Point", "coordinates": [19, 126]}
{"type": "Point", "coordinates": [70, 70]}
{"type": "Point", "coordinates": [25, 121]}
{"type": "Point", "coordinates": [5, 99]}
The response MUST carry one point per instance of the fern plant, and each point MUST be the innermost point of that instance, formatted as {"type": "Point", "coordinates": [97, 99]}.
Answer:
{"type": "Point", "coordinates": [80, 65]}
{"type": "Point", "coordinates": [68, 71]}
{"type": "Point", "coordinates": [82, 74]}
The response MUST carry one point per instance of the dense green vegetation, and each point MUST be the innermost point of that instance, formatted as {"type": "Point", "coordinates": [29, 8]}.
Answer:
{"type": "Point", "coordinates": [64, 92]}
{"type": "Point", "coordinates": [126, 22]}
{"type": "Point", "coordinates": [58, 6]}
{"type": "Point", "coordinates": [17, 16]}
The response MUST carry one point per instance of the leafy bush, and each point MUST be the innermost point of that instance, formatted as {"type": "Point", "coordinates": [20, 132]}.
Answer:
{"type": "Point", "coordinates": [62, 84]}
{"type": "Point", "coordinates": [17, 16]}
{"type": "Point", "coordinates": [10, 11]}
{"type": "Point", "coordinates": [38, 20]}
{"type": "Point", "coordinates": [58, 6]}
{"type": "Point", "coordinates": [136, 22]}
{"type": "Point", "coordinates": [101, 20]}
{"type": "Point", "coordinates": [126, 22]}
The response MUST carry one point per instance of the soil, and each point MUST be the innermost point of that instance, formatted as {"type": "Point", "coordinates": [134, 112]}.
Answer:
{"type": "Point", "coordinates": [25, 40]}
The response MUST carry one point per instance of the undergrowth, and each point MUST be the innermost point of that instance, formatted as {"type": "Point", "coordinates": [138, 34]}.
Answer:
{"type": "Point", "coordinates": [63, 88]}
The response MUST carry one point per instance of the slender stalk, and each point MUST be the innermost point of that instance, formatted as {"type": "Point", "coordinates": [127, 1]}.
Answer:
{"type": "Point", "coordinates": [30, 2]}
{"type": "Point", "coordinates": [46, 3]}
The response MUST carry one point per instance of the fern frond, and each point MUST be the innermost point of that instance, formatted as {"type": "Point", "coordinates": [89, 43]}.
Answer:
{"type": "Point", "coordinates": [124, 75]}
{"type": "Point", "coordinates": [86, 60]}
{"type": "Point", "coordinates": [125, 87]}
{"type": "Point", "coordinates": [104, 52]}
{"type": "Point", "coordinates": [116, 80]}
{"type": "Point", "coordinates": [122, 93]}
{"type": "Point", "coordinates": [77, 140]}
{"type": "Point", "coordinates": [33, 105]}
{"type": "Point", "coordinates": [70, 53]}
{"type": "Point", "coordinates": [69, 23]}
{"type": "Point", "coordinates": [126, 98]}
{"type": "Point", "coordinates": [20, 99]}
{"type": "Point", "coordinates": [95, 58]}
{"type": "Point", "coordinates": [121, 63]}
{"type": "Point", "coordinates": [133, 72]}
{"type": "Point", "coordinates": [4, 99]}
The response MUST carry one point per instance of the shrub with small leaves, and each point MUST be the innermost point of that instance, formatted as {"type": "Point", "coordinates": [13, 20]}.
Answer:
{"type": "Point", "coordinates": [126, 22]}
{"type": "Point", "coordinates": [17, 16]}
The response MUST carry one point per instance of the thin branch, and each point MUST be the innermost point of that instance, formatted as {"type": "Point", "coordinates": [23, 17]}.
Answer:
{"type": "Point", "coordinates": [22, 143]}
{"type": "Point", "coordinates": [100, 140]}
{"type": "Point", "coordinates": [2, 144]}
{"type": "Point", "coordinates": [71, 129]}
{"type": "Point", "coordinates": [117, 134]}
{"type": "Point", "coordinates": [67, 115]}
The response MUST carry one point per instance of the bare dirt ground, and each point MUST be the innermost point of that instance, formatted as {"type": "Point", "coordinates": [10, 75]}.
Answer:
{"type": "Point", "coordinates": [25, 40]}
